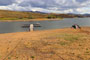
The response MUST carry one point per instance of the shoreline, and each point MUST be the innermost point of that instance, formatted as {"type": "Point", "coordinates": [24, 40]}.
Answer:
{"type": "Point", "coordinates": [30, 20]}
{"type": "Point", "coordinates": [68, 28]}
{"type": "Point", "coordinates": [87, 27]}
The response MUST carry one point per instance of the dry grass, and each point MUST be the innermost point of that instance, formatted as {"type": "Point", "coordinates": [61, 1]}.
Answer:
{"type": "Point", "coordinates": [6, 15]}
{"type": "Point", "coordinates": [60, 44]}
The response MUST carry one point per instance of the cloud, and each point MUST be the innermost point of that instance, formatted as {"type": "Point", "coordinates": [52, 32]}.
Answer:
{"type": "Point", "coordinates": [6, 2]}
{"type": "Point", "coordinates": [56, 6]}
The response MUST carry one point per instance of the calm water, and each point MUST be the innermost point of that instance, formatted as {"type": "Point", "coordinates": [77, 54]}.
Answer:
{"type": "Point", "coordinates": [8, 27]}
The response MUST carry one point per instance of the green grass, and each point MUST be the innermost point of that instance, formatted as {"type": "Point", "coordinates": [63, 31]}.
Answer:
{"type": "Point", "coordinates": [14, 18]}
{"type": "Point", "coordinates": [8, 18]}
{"type": "Point", "coordinates": [9, 57]}
{"type": "Point", "coordinates": [64, 38]}
{"type": "Point", "coordinates": [71, 38]}
{"type": "Point", "coordinates": [63, 43]}
{"type": "Point", "coordinates": [32, 56]}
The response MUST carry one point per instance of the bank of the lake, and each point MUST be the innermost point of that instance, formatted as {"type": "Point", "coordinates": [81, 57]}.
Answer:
{"type": "Point", "coordinates": [21, 20]}
{"type": "Point", "coordinates": [58, 44]}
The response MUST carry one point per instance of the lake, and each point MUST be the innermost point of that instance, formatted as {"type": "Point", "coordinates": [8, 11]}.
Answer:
{"type": "Point", "coordinates": [9, 27]}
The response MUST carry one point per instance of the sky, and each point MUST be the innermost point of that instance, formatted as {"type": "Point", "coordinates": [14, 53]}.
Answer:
{"type": "Point", "coordinates": [49, 6]}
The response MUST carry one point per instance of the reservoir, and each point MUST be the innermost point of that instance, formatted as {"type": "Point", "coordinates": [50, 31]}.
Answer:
{"type": "Point", "coordinates": [9, 27]}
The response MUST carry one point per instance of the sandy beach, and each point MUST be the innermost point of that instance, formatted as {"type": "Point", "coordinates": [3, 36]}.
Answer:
{"type": "Point", "coordinates": [58, 44]}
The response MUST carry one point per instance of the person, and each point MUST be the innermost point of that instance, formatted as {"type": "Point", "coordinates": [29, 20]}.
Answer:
{"type": "Point", "coordinates": [31, 28]}
{"type": "Point", "coordinates": [75, 26]}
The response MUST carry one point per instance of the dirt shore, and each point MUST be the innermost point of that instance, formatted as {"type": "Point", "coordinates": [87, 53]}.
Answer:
{"type": "Point", "coordinates": [59, 44]}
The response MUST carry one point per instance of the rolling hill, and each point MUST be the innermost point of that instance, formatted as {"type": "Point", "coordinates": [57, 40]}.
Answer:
{"type": "Point", "coordinates": [15, 15]}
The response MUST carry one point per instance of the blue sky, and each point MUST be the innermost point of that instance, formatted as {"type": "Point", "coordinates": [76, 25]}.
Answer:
{"type": "Point", "coordinates": [50, 6]}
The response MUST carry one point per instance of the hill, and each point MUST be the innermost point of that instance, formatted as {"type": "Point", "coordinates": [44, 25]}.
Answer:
{"type": "Point", "coordinates": [4, 14]}
{"type": "Point", "coordinates": [20, 15]}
